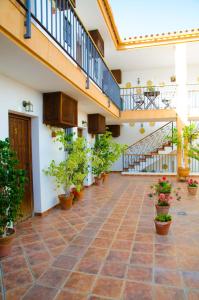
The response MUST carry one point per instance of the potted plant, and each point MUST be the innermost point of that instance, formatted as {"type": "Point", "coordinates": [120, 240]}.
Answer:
{"type": "Point", "coordinates": [192, 186]}
{"type": "Point", "coordinates": [63, 172]}
{"type": "Point", "coordinates": [12, 183]}
{"type": "Point", "coordinates": [162, 223]}
{"type": "Point", "coordinates": [162, 191]}
{"type": "Point", "coordinates": [189, 134]}
{"type": "Point", "coordinates": [80, 153]}
{"type": "Point", "coordinates": [107, 151]}
{"type": "Point", "coordinates": [163, 204]}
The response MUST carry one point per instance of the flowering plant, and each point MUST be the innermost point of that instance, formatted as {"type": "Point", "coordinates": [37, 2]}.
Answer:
{"type": "Point", "coordinates": [162, 187]}
{"type": "Point", "coordinates": [163, 191]}
{"type": "Point", "coordinates": [164, 199]}
{"type": "Point", "coordinates": [192, 183]}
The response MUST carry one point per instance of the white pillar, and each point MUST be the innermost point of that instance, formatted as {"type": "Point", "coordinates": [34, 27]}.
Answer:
{"type": "Point", "coordinates": [181, 81]}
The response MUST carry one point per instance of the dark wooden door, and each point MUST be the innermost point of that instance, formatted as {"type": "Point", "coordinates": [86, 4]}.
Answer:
{"type": "Point", "coordinates": [20, 139]}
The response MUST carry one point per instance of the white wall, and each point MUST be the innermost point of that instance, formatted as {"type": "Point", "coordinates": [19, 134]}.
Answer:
{"type": "Point", "coordinates": [44, 149]}
{"type": "Point", "coordinates": [157, 76]}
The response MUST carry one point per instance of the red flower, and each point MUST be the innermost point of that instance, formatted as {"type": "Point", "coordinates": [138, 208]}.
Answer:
{"type": "Point", "coordinates": [164, 178]}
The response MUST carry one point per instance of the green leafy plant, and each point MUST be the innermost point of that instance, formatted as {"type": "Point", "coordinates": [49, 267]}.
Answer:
{"type": "Point", "coordinates": [105, 152]}
{"type": "Point", "coordinates": [74, 168]}
{"type": "Point", "coordinates": [190, 133]}
{"type": "Point", "coordinates": [194, 152]}
{"type": "Point", "coordinates": [12, 184]}
{"type": "Point", "coordinates": [163, 218]}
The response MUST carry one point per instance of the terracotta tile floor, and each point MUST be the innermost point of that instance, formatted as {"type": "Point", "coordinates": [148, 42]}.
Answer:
{"type": "Point", "coordinates": [105, 247]}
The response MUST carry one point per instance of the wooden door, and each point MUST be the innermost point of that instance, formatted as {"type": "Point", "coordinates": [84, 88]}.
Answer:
{"type": "Point", "coordinates": [20, 139]}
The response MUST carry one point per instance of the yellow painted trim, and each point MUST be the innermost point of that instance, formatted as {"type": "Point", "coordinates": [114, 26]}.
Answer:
{"type": "Point", "coordinates": [41, 48]}
{"type": "Point", "coordinates": [147, 40]}
{"type": "Point", "coordinates": [163, 115]}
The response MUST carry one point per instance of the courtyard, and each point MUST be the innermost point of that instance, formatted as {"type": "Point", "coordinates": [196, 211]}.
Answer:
{"type": "Point", "coordinates": [106, 247]}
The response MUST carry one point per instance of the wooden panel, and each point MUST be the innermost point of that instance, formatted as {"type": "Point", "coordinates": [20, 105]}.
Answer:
{"type": "Point", "coordinates": [20, 139]}
{"type": "Point", "coordinates": [114, 129]}
{"type": "Point", "coordinates": [118, 75]}
{"type": "Point", "coordinates": [98, 40]}
{"type": "Point", "coordinates": [59, 110]}
{"type": "Point", "coordinates": [96, 124]}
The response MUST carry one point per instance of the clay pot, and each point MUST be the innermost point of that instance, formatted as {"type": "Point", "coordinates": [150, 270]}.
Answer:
{"type": "Point", "coordinates": [162, 210]}
{"type": "Point", "coordinates": [183, 172]}
{"type": "Point", "coordinates": [6, 243]}
{"type": "Point", "coordinates": [192, 190]}
{"type": "Point", "coordinates": [97, 180]}
{"type": "Point", "coordinates": [66, 201]}
{"type": "Point", "coordinates": [79, 195]}
{"type": "Point", "coordinates": [104, 177]}
{"type": "Point", "coordinates": [162, 228]}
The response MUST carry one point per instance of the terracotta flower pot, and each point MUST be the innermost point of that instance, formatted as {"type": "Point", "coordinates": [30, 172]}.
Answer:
{"type": "Point", "coordinates": [6, 243]}
{"type": "Point", "coordinates": [80, 194]}
{"type": "Point", "coordinates": [66, 201]}
{"type": "Point", "coordinates": [104, 176]}
{"type": "Point", "coordinates": [162, 210]}
{"type": "Point", "coordinates": [192, 190]}
{"type": "Point", "coordinates": [97, 180]}
{"type": "Point", "coordinates": [183, 172]}
{"type": "Point", "coordinates": [162, 228]}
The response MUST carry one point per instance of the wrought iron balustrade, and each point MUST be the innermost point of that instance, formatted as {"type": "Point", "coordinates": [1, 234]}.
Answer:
{"type": "Point", "coordinates": [154, 163]}
{"type": "Point", "coordinates": [148, 98]}
{"type": "Point", "coordinates": [145, 152]}
{"type": "Point", "coordinates": [60, 21]}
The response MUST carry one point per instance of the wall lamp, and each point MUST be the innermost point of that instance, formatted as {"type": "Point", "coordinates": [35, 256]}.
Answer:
{"type": "Point", "coordinates": [28, 106]}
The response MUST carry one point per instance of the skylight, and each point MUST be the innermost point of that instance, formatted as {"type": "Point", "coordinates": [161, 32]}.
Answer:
{"type": "Point", "coordinates": [144, 17]}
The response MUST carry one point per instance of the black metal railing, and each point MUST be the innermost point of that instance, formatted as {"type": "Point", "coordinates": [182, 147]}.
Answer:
{"type": "Point", "coordinates": [147, 150]}
{"type": "Point", "coordinates": [153, 163]}
{"type": "Point", "coordinates": [59, 19]}
{"type": "Point", "coordinates": [146, 98]}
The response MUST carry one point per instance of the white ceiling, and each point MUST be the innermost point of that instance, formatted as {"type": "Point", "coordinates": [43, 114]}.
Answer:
{"type": "Point", "coordinates": [134, 59]}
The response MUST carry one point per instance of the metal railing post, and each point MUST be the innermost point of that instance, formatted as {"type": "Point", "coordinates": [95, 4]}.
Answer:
{"type": "Point", "coordinates": [27, 22]}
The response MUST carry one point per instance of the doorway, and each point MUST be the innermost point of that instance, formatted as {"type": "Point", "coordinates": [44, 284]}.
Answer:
{"type": "Point", "coordinates": [20, 140]}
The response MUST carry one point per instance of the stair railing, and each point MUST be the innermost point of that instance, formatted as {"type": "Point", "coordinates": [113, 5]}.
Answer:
{"type": "Point", "coordinates": [148, 145]}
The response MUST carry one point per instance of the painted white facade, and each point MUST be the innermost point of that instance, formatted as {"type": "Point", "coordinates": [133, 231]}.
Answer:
{"type": "Point", "coordinates": [44, 149]}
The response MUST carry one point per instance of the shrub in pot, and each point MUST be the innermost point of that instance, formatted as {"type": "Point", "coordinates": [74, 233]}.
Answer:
{"type": "Point", "coordinates": [71, 172]}
{"type": "Point", "coordinates": [190, 133]}
{"type": "Point", "coordinates": [192, 186]}
{"type": "Point", "coordinates": [63, 173]}
{"type": "Point", "coordinates": [107, 151]}
{"type": "Point", "coordinates": [162, 224]}
{"type": "Point", "coordinates": [12, 183]}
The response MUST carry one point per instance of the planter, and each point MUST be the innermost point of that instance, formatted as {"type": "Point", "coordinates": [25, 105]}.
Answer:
{"type": "Point", "coordinates": [104, 176]}
{"type": "Point", "coordinates": [162, 210]}
{"type": "Point", "coordinates": [192, 190]}
{"type": "Point", "coordinates": [97, 180]}
{"type": "Point", "coordinates": [162, 228]}
{"type": "Point", "coordinates": [6, 243]}
{"type": "Point", "coordinates": [183, 172]}
{"type": "Point", "coordinates": [66, 201]}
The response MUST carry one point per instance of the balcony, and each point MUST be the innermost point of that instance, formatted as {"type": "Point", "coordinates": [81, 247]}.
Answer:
{"type": "Point", "coordinates": [60, 22]}
{"type": "Point", "coordinates": [148, 98]}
